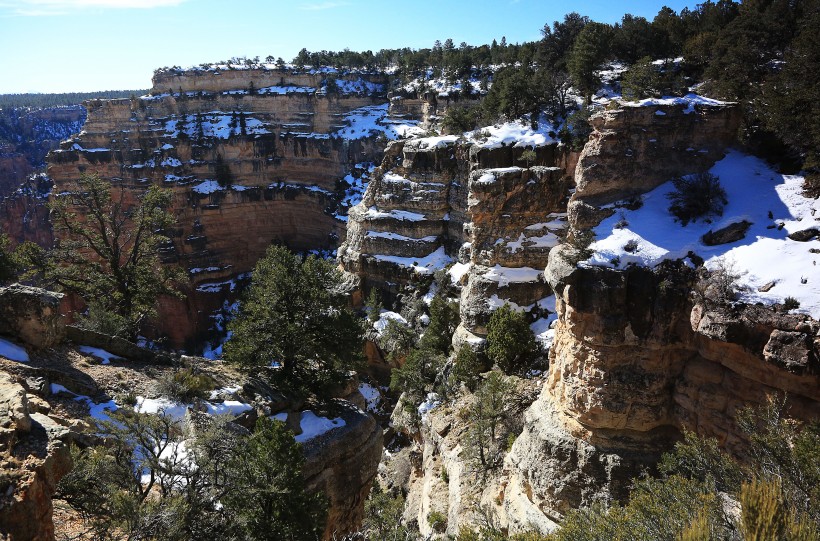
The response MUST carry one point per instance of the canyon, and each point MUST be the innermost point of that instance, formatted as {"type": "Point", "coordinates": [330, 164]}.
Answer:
{"type": "Point", "coordinates": [636, 356]}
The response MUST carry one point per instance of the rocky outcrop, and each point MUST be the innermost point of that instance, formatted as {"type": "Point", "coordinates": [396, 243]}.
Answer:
{"type": "Point", "coordinates": [24, 214]}
{"type": "Point", "coordinates": [32, 314]}
{"type": "Point", "coordinates": [342, 464]}
{"type": "Point", "coordinates": [635, 149]}
{"type": "Point", "coordinates": [441, 200]}
{"type": "Point", "coordinates": [253, 157]}
{"type": "Point", "coordinates": [637, 358]}
{"type": "Point", "coordinates": [34, 459]}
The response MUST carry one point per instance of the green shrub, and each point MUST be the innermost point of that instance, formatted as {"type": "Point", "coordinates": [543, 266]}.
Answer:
{"type": "Point", "coordinates": [184, 385]}
{"type": "Point", "coordinates": [697, 196]}
{"type": "Point", "coordinates": [437, 521]}
{"type": "Point", "coordinates": [510, 341]}
{"type": "Point", "coordinates": [790, 303]}
{"type": "Point", "coordinates": [467, 367]}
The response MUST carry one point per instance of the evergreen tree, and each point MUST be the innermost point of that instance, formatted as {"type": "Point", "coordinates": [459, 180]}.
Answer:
{"type": "Point", "coordinates": [107, 252]}
{"type": "Point", "coordinates": [444, 319]}
{"type": "Point", "coordinates": [295, 315]}
{"type": "Point", "coordinates": [270, 500]}
{"type": "Point", "coordinates": [588, 53]}
{"type": "Point", "coordinates": [510, 341]}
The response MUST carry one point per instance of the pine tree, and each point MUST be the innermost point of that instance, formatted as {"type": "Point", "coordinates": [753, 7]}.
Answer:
{"type": "Point", "coordinates": [295, 315]}
{"type": "Point", "coordinates": [589, 52]}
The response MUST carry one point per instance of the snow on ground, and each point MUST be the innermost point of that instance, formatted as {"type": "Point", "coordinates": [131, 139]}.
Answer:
{"type": "Point", "coordinates": [176, 410]}
{"type": "Point", "coordinates": [513, 134]}
{"type": "Point", "coordinates": [217, 124]}
{"type": "Point", "coordinates": [507, 275]}
{"type": "Point", "coordinates": [97, 411]}
{"type": "Point", "coordinates": [542, 328]}
{"type": "Point", "coordinates": [688, 102]}
{"type": "Point", "coordinates": [207, 187]}
{"type": "Point", "coordinates": [312, 425]}
{"type": "Point", "coordinates": [395, 236]}
{"type": "Point", "coordinates": [765, 255]}
{"type": "Point", "coordinates": [491, 175]}
{"type": "Point", "coordinates": [428, 405]}
{"type": "Point", "coordinates": [373, 120]}
{"type": "Point", "coordinates": [458, 270]}
{"type": "Point", "coordinates": [371, 395]}
{"type": "Point", "coordinates": [101, 354]}
{"type": "Point", "coordinates": [422, 265]}
{"type": "Point", "coordinates": [384, 316]}
{"type": "Point", "coordinates": [12, 351]}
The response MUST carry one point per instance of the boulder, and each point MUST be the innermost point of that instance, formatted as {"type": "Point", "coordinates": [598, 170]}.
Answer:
{"type": "Point", "coordinates": [32, 314]}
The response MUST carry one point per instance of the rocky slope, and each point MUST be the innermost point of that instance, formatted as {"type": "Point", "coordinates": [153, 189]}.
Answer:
{"type": "Point", "coordinates": [52, 390]}
{"type": "Point", "coordinates": [27, 134]}
{"type": "Point", "coordinates": [252, 157]}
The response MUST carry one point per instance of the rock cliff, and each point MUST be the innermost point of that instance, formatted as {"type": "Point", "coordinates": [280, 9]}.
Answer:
{"type": "Point", "coordinates": [441, 200]}
{"type": "Point", "coordinates": [252, 157]}
{"type": "Point", "coordinates": [637, 357]}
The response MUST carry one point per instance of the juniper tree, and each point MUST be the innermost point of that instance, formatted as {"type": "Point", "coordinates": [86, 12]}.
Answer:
{"type": "Point", "coordinates": [296, 316]}
{"type": "Point", "coordinates": [107, 250]}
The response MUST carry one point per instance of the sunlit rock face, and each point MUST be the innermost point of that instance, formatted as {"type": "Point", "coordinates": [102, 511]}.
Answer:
{"type": "Point", "coordinates": [253, 157]}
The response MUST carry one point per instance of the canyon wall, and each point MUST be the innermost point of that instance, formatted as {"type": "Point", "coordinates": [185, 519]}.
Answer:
{"type": "Point", "coordinates": [252, 157]}
{"type": "Point", "coordinates": [636, 358]}
{"type": "Point", "coordinates": [441, 200]}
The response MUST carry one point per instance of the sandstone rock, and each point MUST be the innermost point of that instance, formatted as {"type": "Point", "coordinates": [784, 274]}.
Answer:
{"type": "Point", "coordinates": [805, 235]}
{"type": "Point", "coordinates": [342, 463]}
{"type": "Point", "coordinates": [34, 459]}
{"type": "Point", "coordinates": [32, 314]}
{"type": "Point", "coordinates": [731, 233]}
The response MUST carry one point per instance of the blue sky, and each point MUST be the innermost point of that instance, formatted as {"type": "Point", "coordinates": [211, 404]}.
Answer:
{"type": "Point", "coordinates": [87, 45]}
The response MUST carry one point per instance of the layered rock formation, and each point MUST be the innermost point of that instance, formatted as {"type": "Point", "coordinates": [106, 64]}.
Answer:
{"type": "Point", "coordinates": [636, 359]}
{"type": "Point", "coordinates": [252, 157]}
{"type": "Point", "coordinates": [442, 200]}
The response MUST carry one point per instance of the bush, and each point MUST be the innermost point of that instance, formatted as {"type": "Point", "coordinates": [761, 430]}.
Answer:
{"type": "Point", "coordinates": [697, 196]}
{"type": "Point", "coordinates": [437, 521]}
{"type": "Point", "coordinates": [467, 367]}
{"type": "Point", "coordinates": [185, 385]}
{"type": "Point", "coordinates": [510, 341]}
{"type": "Point", "coordinates": [790, 303]}
{"type": "Point", "coordinates": [719, 287]}
{"type": "Point", "coordinates": [643, 80]}
{"type": "Point", "coordinates": [459, 119]}
{"type": "Point", "coordinates": [576, 130]}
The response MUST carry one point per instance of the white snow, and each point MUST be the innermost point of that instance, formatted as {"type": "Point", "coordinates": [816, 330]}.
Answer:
{"type": "Point", "coordinates": [312, 425]}
{"type": "Point", "coordinates": [161, 406]}
{"type": "Point", "coordinates": [12, 351]}
{"type": "Point", "coordinates": [458, 270]}
{"type": "Point", "coordinates": [97, 411]}
{"type": "Point", "coordinates": [372, 120]}
{"type": "Point", "coordinates": [395, 236]}
{"type": "Point", "coordinates": [764, 255]}
{"type": "Point", "coordinates": [208, 187]}
{"type": "Point", "coordinates": [101, 354]}
{"type": "Point", "coordinates": [514, 133]}
{"type": "Point", "coordinates": [428, 405]}
{"type": "Point", "coordinates": [374, 213]}
{"type": "Point", "coordinates": [688, 102]}
{"type": "Point", "coordinates": [371, 395]}
{"type": "Point", "coordinates": [507, 275]}
{"type": "Point", "coordinates": [490, 175]}
{"type": "Point", "coordinates": [381, 324]}
{"type": "Point", "coordinates": [422, 265]}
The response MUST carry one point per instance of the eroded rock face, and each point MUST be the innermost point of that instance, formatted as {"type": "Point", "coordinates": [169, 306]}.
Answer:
{"type": "Point", "coordinates": [342, 464]}
{"type": "Point", "coordinates": [34, 460]}
{"type": "Point", "coordinates": [635, 361]}
{"type": "Point", "coordinates": [253, 157]}
{"type": "Point", "coordinates": [439, 200]}
{"type": "Point", "coordinates": [633, 150]}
